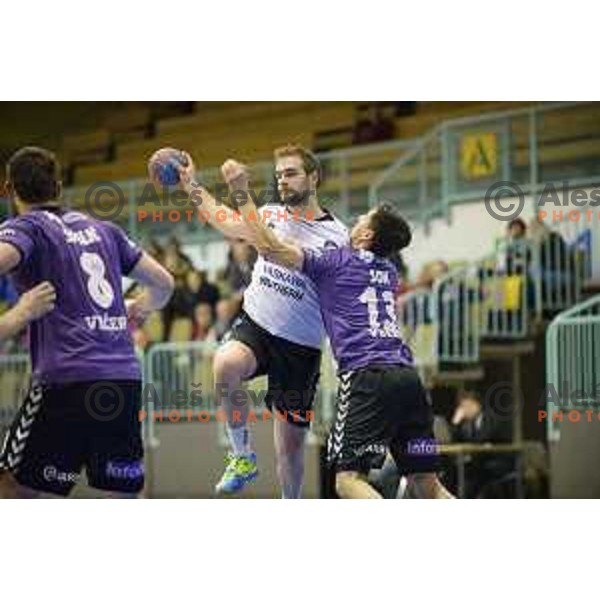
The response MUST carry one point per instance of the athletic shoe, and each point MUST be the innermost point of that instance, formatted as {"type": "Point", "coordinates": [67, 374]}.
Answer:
{"type": "Point", "coordinates": [239, 471]}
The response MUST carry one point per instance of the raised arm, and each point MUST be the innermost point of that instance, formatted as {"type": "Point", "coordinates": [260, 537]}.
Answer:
{"type": "Point", "coordinates": [263, 239]}
{"type": "Point", "coordinates": [221, 216]}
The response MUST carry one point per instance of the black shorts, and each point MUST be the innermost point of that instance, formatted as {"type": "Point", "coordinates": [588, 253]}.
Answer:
{"type": "Point", "coordinates": [380, 409]}
{"type": "Point", "coordinates": [60, 429]}
{"type": "Point", "coordinates": [293, 370]}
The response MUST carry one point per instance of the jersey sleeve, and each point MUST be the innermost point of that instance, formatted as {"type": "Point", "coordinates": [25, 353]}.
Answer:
{"type": "Point", "coordinates": [20, 233]}
{"type": "Point", "coordinates": [129, 252]}
{"type": "Point", "coordinates": [319, 265]}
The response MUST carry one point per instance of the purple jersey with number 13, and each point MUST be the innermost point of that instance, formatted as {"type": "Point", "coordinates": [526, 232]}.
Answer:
{"type": "Point", "coordinates": [357, 296]}
{"type": "Point", "coordinates": [85, 337]}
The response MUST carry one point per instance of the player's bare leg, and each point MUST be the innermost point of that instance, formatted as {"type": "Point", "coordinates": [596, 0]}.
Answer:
{"type": "Point", "coordinates": [289, 452]}
{"type": "Point", "coordinates": [427, 486]}
{"type": "Point", "coordinates": [352, 485]}
{"type": "Point", "coordinates": [234, 363]}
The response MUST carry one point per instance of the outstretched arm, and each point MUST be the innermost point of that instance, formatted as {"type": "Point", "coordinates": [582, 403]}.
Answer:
{"type": "Point", "coordinates": [265, 241]}
{"type": "Point", "coordinates": [222, 217]}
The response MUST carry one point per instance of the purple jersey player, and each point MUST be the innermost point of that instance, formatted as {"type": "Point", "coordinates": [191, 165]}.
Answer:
{"type": "Point", "coordinates": [82, 409]}
{"type": "Point", "coordinates": [382, 403]}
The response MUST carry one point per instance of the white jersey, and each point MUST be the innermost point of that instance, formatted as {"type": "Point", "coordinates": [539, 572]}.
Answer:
{"type": "Point", "coordinates": [283, 301]}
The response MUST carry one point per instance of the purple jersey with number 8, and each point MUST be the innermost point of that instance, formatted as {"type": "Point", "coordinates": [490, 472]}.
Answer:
{"type": "Point", "coordinates": [357, 296]}
{"type": "Point", "coordinates": [86, 336]}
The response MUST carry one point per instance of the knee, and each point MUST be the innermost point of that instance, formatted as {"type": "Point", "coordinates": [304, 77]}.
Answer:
{"type": "Point", "coordinates": [224, 366]}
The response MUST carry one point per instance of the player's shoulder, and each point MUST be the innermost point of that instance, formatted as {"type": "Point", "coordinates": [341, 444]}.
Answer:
{"type": "Point", "coordinates": [363, 256]}
{"type": "Point", "coordinates": [26, 223]}
{"type": "Point", "coordinates": [329, 221]}
{"type": "Point", "coordinates": [335, 254]}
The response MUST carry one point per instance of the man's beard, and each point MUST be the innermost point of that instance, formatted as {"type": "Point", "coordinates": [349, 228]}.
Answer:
{"type": "Point", "coordinates": [293, 198]}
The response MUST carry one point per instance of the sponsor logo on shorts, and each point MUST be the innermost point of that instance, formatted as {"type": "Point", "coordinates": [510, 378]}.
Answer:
{"type": "Point", "coordinates": [52, 474]}
{"type": "Point", "coordinates": [125, 469]}
{"type": "Point", "coordinates": [378, 449]}
{"type": "Point", "coordinates": [422, 447]}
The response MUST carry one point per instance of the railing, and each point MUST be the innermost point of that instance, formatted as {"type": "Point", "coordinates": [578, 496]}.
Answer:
{"type": "Point", "coordinates": [461, 158]}
{"type": "Point", "coordinates": [179, 377]}
{"type": "Point", "coordinates": [457, 310]}
{"type": "Point", "coordinates": [441, 325]}
{"type": "Point", "coordinates": [528, 280]}
{"type": "Point", "coordinates": [573, 363]}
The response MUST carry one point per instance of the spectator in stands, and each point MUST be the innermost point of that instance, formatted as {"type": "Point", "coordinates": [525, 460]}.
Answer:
{"type": "Point", "coordinates": [553, 250]}
{"type": "Point", "coordinates": [180, 306]}
{"type": "Point", "coordinates": [473, 423]}
{"type": "Point", "coordinates": [238, 272]}
{"type": "Point", "coordinates": [175, 260]}
{"type": "Point", "coordinates": [203, 322]}
{"type": "Point", "coordinates": [556, 265]}
{"type": "Point", "coordinates": [517, 254]}
{"type": "Point", "coordinates": [200, 289]}
{"type": "Point", "coordinates": [373, 126]}
{"type": "Point", "coordinates": [227, 310]}
{"type": "Point", "coordinates": [155, 250]}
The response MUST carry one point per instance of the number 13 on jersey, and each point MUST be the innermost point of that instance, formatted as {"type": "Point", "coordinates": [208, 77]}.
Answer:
{"type": "Point", "coordinates": [387, 327]}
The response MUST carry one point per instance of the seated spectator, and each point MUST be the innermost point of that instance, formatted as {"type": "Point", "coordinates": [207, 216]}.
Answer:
{"type": "Point", "coordinates": [203, 322]}
{"type": "Point", "coordinates": [175, 260]}
{"type": "Point", "coordinates": [181, 305]}
{"type": "Point", "coordinates": [201, 290]}
{"type": "Point", "coordinates": [373, 126]}
{"type": "Point", "coordinates": [472, 423]}
{"type": "Point", "coordinates": [517, 254]}
{"type": "Point", "coordinates": [238, 272]}
{"type": "Point", "coordinates": [557, 266]}
{"type": "Point", "coordinates": [155, 250]}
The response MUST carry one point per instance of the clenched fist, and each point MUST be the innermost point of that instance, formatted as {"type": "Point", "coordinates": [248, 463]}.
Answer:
{"type": "Point", "coordinates": [236, 175]}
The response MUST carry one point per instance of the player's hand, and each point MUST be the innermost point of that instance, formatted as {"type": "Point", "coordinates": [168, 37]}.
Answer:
{"type": "Point", "coordinates": [136, 312]}
{"type": "Point", "coordinates": [37, 301]}
{"type": "Point", "coordinates": [186, 170]}
{"type": "Point", "coordinates": [236, 175]}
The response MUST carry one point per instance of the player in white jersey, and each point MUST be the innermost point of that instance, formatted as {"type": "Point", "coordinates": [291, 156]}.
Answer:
{"type": "Point", "coordinates": [280, 331]}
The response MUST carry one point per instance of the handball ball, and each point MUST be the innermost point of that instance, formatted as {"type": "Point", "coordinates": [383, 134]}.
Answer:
{"type": "Point", "coordinates": [162, 166]}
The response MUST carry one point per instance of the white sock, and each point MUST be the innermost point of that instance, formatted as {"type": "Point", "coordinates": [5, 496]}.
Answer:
{"type": "Point", "coordinates": [239, 438]}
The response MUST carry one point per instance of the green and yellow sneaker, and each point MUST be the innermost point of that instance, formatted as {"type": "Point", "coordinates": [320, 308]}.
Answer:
{"type": "Point", "coordinates": [239, 471]}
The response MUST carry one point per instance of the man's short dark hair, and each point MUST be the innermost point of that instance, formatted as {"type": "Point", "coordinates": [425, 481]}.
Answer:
{"type": "Point", "coordinates": [34, 174]}
{"type": "Point", "coordinates": [392, 232]}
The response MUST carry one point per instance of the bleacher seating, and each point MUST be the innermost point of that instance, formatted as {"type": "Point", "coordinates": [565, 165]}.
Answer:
{"type": "Point", "coordinates": [567, 139]}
